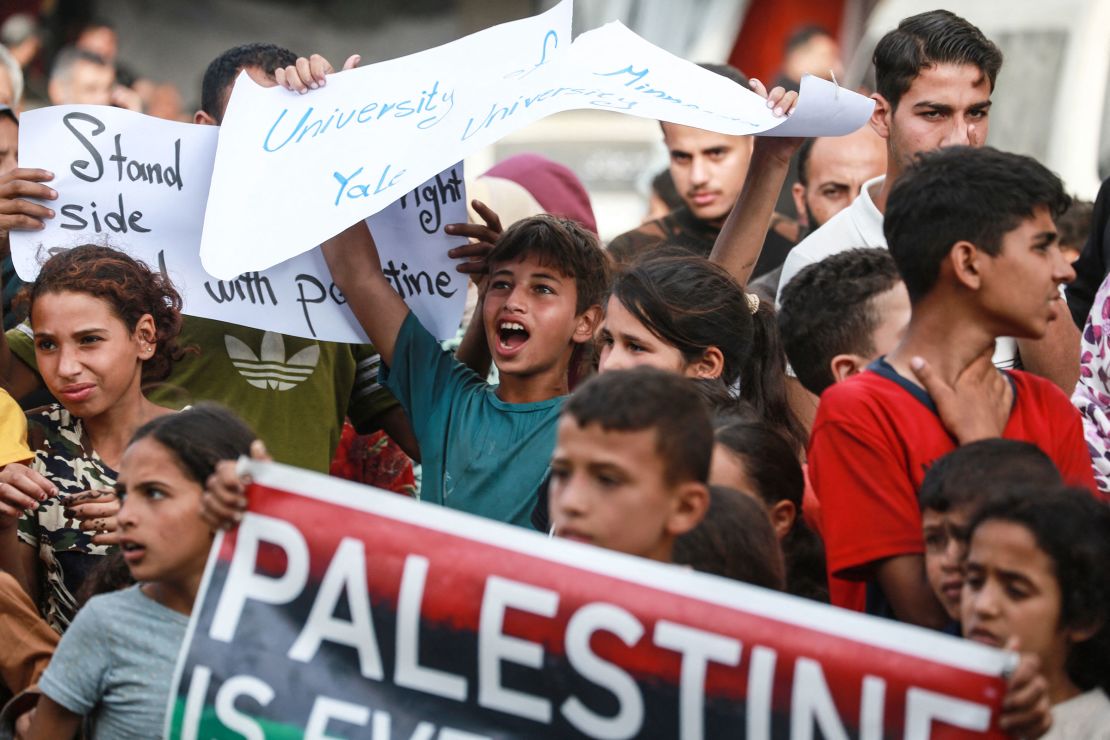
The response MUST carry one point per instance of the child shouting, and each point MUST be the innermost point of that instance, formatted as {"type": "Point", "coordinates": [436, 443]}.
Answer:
{"type": "Point", "coordinates": [484, 449]}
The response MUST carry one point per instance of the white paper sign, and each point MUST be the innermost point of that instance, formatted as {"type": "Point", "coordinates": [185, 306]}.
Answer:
{"type": "Point", "coordinates": [140, 184]}
{"type": "Point", "coordinates": [345, 151]}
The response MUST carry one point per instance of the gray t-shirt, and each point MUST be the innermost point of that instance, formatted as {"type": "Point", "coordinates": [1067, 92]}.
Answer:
{"type": "Point", "coordinates": [115, 663]}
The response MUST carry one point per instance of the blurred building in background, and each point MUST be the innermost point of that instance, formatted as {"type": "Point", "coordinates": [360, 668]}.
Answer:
{"type": "Point", "coordinates": [1051, 100]}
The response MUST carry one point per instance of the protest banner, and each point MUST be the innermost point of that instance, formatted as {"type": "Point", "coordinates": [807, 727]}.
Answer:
{"type": "Point", "coordinates": [140, 184]}
{"type": "Point", "coordinates": [338, 610]}
{"type": "Point", "coordinates": [345, 151]}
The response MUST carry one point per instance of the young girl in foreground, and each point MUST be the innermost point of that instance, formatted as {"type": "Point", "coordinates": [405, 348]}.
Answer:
{"type": "Point", "coordinates": [1036, 575]}
{"type": "Point", "coordinates": [115, 663]}
{"type": "Point", "coordinates": [103, 324]}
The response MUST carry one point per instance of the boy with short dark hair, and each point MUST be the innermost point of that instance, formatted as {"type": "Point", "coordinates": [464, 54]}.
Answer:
{"type": "Point", "coordinates": [972, 233]}
{"type": "Point", "coordinates": [631, 463]}
{"type": "Point", "coordinates": [485, 449]}
{"type": "Point", "coordinates": [956, 488]}
{"type": "Point", "coordinates": [840, 314]}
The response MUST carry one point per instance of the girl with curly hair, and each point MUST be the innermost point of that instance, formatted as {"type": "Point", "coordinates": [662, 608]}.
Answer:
{"type": "Point", "coordinates": [103, 324]}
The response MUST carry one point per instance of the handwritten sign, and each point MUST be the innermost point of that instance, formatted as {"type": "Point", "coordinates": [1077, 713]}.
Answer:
{"type": "Point", "coordinates": [140, 184]}
{"type": "Point", "coordinates": [347, 150]}
{"type": "Point", "coordinates": [335, 610]}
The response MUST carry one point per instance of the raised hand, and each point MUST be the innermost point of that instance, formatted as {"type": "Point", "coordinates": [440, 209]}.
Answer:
{"type": "Point", "coordinates": [225, 497]}
{"type": "Point", "coordinates": [475, 252]}
{"type": "Point", "coordinates": [16, 213]}
{"type": "Point", "coordinates": [310, 73]}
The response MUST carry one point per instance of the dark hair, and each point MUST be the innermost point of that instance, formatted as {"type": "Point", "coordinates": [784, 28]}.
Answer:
{"type": "Point", "coordinates": [560, 243]}
{"type": "Point", "coordinates": [962, 193]}
{"type": "Point", "coordinates": [926, 40]}
{"type": "Point", "coordinates": [218, 78]}
{"type": "Point", "coordinates": [1074, 224]}
{"type": "Point", "coordinates": [772, 469]}
{"type": "Point", "coordinates": [129, 286]}
{"type": "Point", "coordinates": [803, 160]}
{"type": "Point", "coordinates": [68, 57]}
{"type": "Point", "coordinates": [200, 437]}
{"type": "Point", "coordinates": [663, 186]}
{"type": "Point", "coordinates": [1073, 529]}
{"type": "Point", "coordinates": [109, 573]}
{"type": "Point", "coordinates": [734, 540]}
{"type": "Point", "coordinates": [728, 72]}
{"type": "Point", "coordinates": [829, 309]}
{"type": "Point", "coordinates": [646, 398]}
{"type": "Point", "coordinates": [693, 304]}
{"type": "Point", "coordinates": [802, 36]}
{"type": "Point", "coordinates": [982, 471]}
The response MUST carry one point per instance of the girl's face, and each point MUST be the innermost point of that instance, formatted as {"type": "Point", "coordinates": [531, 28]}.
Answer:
{"type": "Point", "coordinates": [1010, 590]}
{"type": "Point", "coordinates": [161, 533]}
{"type": "Point", "coordinates": [627, 343]}
{"type": "Point", "coordinates": [87, 357]}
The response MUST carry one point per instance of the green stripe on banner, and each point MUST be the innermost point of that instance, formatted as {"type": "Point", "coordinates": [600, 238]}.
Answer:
{"type": "Point", "coordinates": [211, 728]}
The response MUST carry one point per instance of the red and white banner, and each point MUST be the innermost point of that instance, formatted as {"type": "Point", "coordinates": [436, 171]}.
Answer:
{"type": "Point", "coordinates": [338, 610]}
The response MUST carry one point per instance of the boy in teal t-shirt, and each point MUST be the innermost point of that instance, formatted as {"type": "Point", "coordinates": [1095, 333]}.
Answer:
{"type": "Point", "coordinates": [485, 450]}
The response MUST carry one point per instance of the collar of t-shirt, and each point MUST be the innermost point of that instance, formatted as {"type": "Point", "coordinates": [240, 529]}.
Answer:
{"type": "Point", "coordinates": [885, 369]}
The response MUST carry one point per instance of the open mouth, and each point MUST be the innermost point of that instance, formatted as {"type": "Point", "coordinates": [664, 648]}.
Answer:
{"type": "Point", "coordinates": [511, 335]}
{"type": "Point", "coordinates": [132, 551]}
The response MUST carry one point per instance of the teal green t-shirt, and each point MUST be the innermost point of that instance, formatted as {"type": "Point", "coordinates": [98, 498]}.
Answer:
{"type": "Point", "coordinates": [480, 454]}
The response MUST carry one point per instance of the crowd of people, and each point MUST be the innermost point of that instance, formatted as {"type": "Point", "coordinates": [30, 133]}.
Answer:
{"type": "Point", "coordinates": [897, 415]}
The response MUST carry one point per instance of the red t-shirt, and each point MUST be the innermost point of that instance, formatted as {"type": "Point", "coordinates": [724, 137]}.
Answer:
{"type": "Point", "coordinates": [875, 436]}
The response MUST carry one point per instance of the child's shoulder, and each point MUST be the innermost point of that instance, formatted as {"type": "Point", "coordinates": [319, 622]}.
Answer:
{"type": "Point", "coordinates": [1033, 391]}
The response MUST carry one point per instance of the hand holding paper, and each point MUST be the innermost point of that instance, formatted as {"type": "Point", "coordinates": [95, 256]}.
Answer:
{"type": "Point", "coordinates": [378, 131]}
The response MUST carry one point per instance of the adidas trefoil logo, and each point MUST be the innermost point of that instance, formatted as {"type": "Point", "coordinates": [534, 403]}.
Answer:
{"type": "Point", "coordinates": [272, 370]}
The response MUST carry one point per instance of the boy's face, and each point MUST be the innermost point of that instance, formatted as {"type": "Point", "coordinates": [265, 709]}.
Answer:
{"type": "Point", "coordinates": [1020, 286]}
{"type": "Point", "coordinates": [946, 105]}
{"type": "Point", "coordinates": [945, 549]}
{"type": "Point", "coordinates": [608, 488]}
{"type": "Point", "coordinates": [530, 319]}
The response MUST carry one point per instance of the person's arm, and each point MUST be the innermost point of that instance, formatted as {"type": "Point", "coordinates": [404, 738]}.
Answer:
{"type": "Point", "coordinates": [21, 490]}
{"type": "Point", "coordinates": [741, 239]}
{"type": "Point", "coordinates": [1090, 268]}
{"type": "Point", "coordinates": [1054, 356]}
{"type": "Point", "coordinates": [52, 721]}
{"type": "Point", "coordinates": [802, 403]}
{"type": "Point", "coordinates": [905, 586]}
{"type": "Point", "coordinates": [869, 512]}
{"type": "Point", "coordinates": [19, 214]}
{"type": "Point", "coordinates": [352, 257]}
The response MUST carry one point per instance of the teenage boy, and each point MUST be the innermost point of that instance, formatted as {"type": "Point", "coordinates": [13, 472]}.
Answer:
{"type": "Point", "coordinates": [934, 76]}
{"type": "Point", "coordinates": [956, 488]}
{"type": "Point", "coordinates": [485, 449]}
{"type": "Point", "coordinates": [708, 169]}
{"type": "Point", "coordinates": [631, 462]}
{"type": "Point", "coordinates": [972, 233]}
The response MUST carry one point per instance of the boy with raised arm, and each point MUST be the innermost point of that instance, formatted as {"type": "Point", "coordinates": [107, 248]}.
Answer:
{"type": "Point", "coordinates": [485, 450]}
{"type": "Point", "coordinates": [972, 233]}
